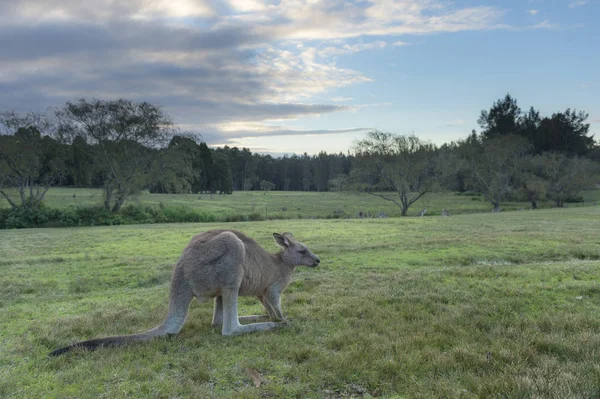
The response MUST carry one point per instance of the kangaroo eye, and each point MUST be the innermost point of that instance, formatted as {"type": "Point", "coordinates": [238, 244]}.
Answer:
{"type": "Point", "coordinates": [302, 252]}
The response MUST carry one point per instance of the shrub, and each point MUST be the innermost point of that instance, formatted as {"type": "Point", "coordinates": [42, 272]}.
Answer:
{"type": "Point", "coordinates": [574, 198]}
{"type": "Point", "coordinates": [256, 216]}
{"type": "Point", "coordinates": [95, 215]}
{"type": "Point", "coordinates": [235, 218]}
{"type": "Point", "coordinates": [138, 213]}
{"type": "Point", "coordinates": [68, 218]}
{"type": "Point", "coordinates": [4, 212]}
{"type": "Point", "coordinates": [179, 214]}
{"type": "Point", "coordinates": [19, 218]}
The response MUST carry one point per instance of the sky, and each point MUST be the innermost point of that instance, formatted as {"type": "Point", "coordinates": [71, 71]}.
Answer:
{"type": "Point", "coordinates": [296, 76]}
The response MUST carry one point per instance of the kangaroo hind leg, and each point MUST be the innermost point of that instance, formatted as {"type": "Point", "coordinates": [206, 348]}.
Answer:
{"type": "Point", "coordinates": [217, 320]}
{"type": "Point", "coordinates": [231, 323]}
{"type": "Point", "coordinates": [180, 297]}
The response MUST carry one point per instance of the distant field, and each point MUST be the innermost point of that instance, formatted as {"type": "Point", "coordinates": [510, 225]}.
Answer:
{"type": "Point", "coordinates": [297, 205]}
{"type": "Point", "coordinates": [471, 306]}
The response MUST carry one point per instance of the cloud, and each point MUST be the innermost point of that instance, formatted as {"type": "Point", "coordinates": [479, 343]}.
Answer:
{"type": "Point", "coordinates": [234, 133]}
{"type": "Point", "coordinates": [455, 123]}
{"type": "Point", "coordinates": [341, 99]}
{"type": "Point", "coordinates": [352, 48]}
{"type": "Point", "coordinates": [546, 25]}
{"type": "Point", "coordinates": [237, 130]}
{"type": "Point", "coordinates": [372, 105]}
{"type": "Point", "coordinates": [208, 63]}
{"type": "Point", "coordinates": [533, 12]}
{"type": "Point", "coordinates": [578, 3]}
{"type": "Point", "coordinates": [100, 11]}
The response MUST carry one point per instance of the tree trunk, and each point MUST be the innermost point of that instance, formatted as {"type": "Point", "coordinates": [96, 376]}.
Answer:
{"type": "Point", "coordinates": [559, 203]}
{"type": "Point", "coordinates": [405, 204]}
{"type": "Point", "coordinates": [531, 196]}
{"type": "Point", "coordinates": [121, 197]}
{"type": "Point", "coordinates": [107, 197]}
{"type": "Point", "coordinates": [496, 207]}
{"type": "Point", "coordinates": [22, 195]}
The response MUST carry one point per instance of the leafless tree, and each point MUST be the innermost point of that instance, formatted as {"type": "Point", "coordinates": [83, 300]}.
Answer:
{"type": "Point", "coordinates": [564, 176]}
{"type": "Point", "coordinates": [403, 165]}
{"type": "Point", "coordinates": [494, 167]}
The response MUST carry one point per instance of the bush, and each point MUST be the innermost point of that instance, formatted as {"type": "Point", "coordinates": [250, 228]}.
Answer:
{"type": "Point", "coordinates": [256, 216]}
{"type": "Point", "coordinates": [138, 213]}
{"type": "Point", "coordinates": [19, 218]}
{"type": "Point", "coordinates": [180, 214]}
{"type": "Point", "coordinates": [95, 215]}
{"type": "Point", "coordinates": [68, 218]}
{"type": "Point", "coordinates": [467, 193]}
{"type": "Point", "coordinates": [4, 212]}
{"type": "Point", "coordinates": [574, 198]}
{"type": "Point", "coordinates": [235, 218]}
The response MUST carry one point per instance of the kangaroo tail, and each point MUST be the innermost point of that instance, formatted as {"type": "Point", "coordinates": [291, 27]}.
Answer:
{"type": "Point", "coordinates": [94, 344]}
{"type": "Point", "coordinates": [179, 302]}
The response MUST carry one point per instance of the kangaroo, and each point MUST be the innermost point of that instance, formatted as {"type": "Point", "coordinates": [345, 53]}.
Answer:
{"type": "Point", "coordinates": [223, 264]}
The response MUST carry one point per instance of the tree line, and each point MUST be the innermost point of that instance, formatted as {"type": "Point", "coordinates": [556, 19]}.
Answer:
{"type": "Point", "coordinates": [124, 147]}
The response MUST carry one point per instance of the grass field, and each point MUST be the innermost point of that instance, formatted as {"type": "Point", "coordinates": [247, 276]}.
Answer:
{"type": "Point", "coordinates": [300, 205]}
{"type": "Point", "coordinates": [470, 306]}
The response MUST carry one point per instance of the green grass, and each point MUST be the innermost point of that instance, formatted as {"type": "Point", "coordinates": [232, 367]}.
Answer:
{"type": "Point", "coordinates": [471, 306]}
{"type": "Point", "coordinates": [298, 205]}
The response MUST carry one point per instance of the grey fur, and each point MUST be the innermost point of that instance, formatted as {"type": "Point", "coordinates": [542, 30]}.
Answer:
{"type": "Point", "coordinates": [222, 265]}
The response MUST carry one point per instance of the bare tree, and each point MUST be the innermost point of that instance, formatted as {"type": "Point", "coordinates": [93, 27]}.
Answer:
{"type": "Point", "coordinates": [564, 176]}
{"type": "Point", "coordinates": [529, 182]}
{"type": "Point", "coordinates": [30, 159]}
{"type": "Point", "coordinates": [121, 134]}
{"type": "Point", "coordinates": [404, 165]}
{"type": "Point", "coordinates": [494, 166]}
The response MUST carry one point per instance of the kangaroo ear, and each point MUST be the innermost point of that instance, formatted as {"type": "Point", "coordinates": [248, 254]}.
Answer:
{"type": "Point", "coordinates": [288, 234]}
{"type": "Point", "coordinates": [281, 240]}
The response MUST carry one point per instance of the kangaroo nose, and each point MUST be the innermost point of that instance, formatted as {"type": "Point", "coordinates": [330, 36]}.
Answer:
{"type": "Point", "coordinates": [317, 261]}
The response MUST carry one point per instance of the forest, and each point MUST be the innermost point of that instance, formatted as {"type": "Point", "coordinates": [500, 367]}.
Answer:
{"type": "Point", "coordinates": [124, 147]}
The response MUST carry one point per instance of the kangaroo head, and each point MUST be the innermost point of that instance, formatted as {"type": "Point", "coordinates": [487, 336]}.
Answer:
{"type": "Point", "coordinates": [294, 252]}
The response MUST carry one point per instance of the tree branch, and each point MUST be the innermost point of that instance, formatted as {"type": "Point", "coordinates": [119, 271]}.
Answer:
{"type": "Point", "coordinates": [385, 198]}
{"type": "Point", "coordinates": [6, 197]}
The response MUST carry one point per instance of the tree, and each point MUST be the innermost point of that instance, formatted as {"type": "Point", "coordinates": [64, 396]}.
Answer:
{"type": "Point", "coordinates": [338, 183]}
{"type": "Point", "coordinates": [564, 176]}
{"type": "Point", "coordinates": [179, 166]}
{"type": "Point", "coordinates": [223, 180]}
{"type": "Point", "coordinates": [80, 162]}
{"type": "Point", "coordinates": [389, 162]}
{"type": "Point", "coordinates": [30, 159]}
{"type": "Point", "coordinates": [504, 118]}
{"type": "Point", "coordinates": [267, 185]}
{"type": "Point", "coordinates": [207, 175]}
{"type": "Point", "coordinates": [175, 168]}
{"type": "Point", "coordinates": [307, 172]}
{"type": "Point", "coordinates": [564, 132]}
{"type": "Point", "coordinates": [528, 182]}
{"type": "Point", "coordinates": [121, 133]}
{"type": "Point", "coordinates": [529, 128]}
{"type": "Point", "coordinates": [321, 171]}
{"type": "Point", "coordinates": [494, 167]}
